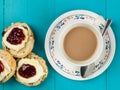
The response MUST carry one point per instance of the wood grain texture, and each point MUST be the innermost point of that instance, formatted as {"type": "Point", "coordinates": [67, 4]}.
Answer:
{"type": "Point", "coordinates": [1, 20]}
{"type": "Point", "coordinates": [39, 14]}
{"type": "Point", "coordinates": [113, 72]}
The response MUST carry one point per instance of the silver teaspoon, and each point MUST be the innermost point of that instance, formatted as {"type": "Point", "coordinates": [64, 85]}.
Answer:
{"type": "Point", "coordinates": [108, 22]}
{"type": "Point", "coordinates": [83, 69]}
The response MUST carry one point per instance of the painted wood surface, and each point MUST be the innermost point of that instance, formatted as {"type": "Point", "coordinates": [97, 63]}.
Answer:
{"type": "Point", "coordinates": [39, 14]}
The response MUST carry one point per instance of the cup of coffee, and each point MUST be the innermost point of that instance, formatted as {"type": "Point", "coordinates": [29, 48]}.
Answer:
{"type": "Point", "coordinates": [81, 44]}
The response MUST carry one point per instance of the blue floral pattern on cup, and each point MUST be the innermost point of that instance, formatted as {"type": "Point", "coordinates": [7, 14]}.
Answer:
{"type": "Point", "coordinates": [61, 24]}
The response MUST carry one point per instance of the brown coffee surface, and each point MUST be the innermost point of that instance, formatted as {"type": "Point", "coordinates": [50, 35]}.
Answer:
{"type": "Point", "coordinates": [80, 43]}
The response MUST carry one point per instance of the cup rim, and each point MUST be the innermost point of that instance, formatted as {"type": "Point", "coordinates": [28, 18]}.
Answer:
{"type": "Point", "coordinates": [95, 55]}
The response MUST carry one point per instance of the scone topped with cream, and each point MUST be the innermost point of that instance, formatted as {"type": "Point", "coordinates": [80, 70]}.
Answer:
{"type": "Point", "coordinates": [18, 39]}
{"type": "Point", "coordinates": [7, 66]}
{"type": "Point", "coordinates": [31, 70]}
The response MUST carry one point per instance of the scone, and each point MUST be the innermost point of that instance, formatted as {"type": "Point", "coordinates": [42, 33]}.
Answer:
{"type": "Point", "coordinates": [18, 39]}
{"type": "Point", "coordinates": [31, 70]}
{"type": "Point", "coordinates": [7, 66]}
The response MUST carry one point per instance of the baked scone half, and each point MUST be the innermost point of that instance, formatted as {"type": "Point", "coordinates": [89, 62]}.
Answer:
{"type": "Point", "coordinates": [18, 39]}
{"type": "Point", "coordinates": [7, 66]}
{"type": "Point", "coordinates": [31, 70]}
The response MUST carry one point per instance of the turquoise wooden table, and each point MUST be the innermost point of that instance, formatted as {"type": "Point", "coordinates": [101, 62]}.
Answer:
{"type": "Point", "coordinates": [39, 14]}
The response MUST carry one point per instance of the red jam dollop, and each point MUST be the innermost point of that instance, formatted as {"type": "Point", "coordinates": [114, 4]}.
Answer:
{"type": "Point", "coordinates": [27, 71]}
{"type": "Point", "coordinates": [16, 36]}
{"type": "Point", "coordinates": [1, 67]}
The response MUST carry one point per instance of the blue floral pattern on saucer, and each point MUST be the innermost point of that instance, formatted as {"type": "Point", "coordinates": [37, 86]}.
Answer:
{"type": "Point", "coordinates": [64, 22]}
{"type": "Point", "coordinates": [53, 36]}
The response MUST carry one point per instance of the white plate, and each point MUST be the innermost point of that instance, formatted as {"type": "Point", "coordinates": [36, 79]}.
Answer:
{"type": "Point", "coordinates": [52, 43]}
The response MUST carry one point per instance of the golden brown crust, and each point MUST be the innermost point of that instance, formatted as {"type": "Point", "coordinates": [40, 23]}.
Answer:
{"type": "Point", "coordinates": [42, 63]}
{"type": "Point", "coordinates": [11, 62]}
{"type": "Point", "coordinates": [28, 46]}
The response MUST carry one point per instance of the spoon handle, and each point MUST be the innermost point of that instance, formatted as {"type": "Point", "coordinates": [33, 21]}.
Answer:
{"type": "Point", "coordinates": [108, 22]}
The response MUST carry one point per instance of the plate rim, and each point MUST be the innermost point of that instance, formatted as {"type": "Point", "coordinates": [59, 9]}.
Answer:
{"type": "Point", "coordinates": [110, 58]}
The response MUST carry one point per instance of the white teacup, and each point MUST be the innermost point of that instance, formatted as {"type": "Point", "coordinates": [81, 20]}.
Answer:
{"type": "Point", "coordinates": [95, 56]}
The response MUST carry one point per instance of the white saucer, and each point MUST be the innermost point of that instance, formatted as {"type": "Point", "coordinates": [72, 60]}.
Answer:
{"type": "Point", "coordinates": [52, 43]}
